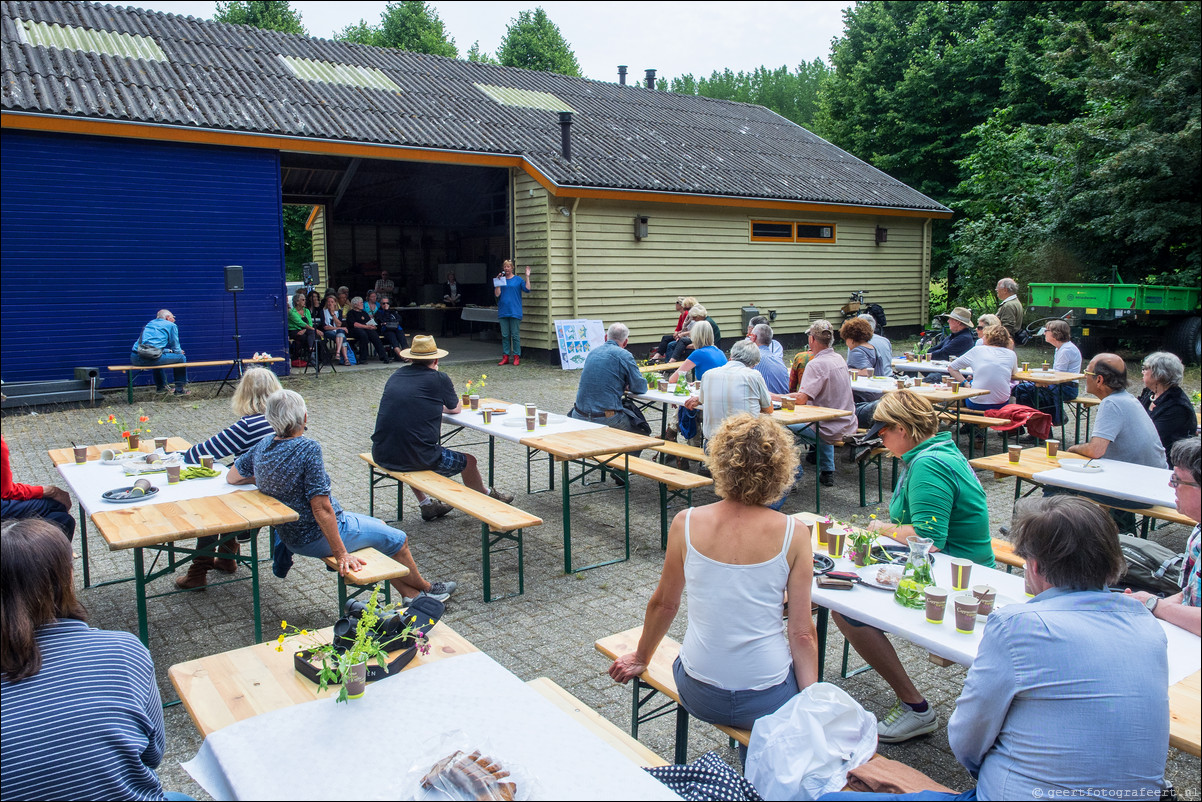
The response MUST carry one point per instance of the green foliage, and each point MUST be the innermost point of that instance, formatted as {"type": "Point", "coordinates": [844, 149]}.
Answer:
{"type": "Point", "coordinates": [792, 95]}
{"type": "Point", "coordinates": [532, 41]}
{"type": "Point", "coordinates": [474, 53]}
{"type": "Point", "coordinates": [298, 243]}
{"type": "Point", "coordinates": [411, 25]}
{"type": "Point", "coordinates": [272, 15]}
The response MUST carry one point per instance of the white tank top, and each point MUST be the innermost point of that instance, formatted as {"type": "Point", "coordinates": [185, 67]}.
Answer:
{"type": "Point", "coordinates": [736, 637]}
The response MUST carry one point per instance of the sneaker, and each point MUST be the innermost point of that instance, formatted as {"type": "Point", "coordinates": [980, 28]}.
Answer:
{"type": "Point", "coordinates": [435, 509]}
{"type": "Point", "coordinates": [500, 495]}
{"type": "Point", "coordinates": [439, 591]}
{"type": "Point", "coordinates": [1027, 439]}
{"type": "Point", "coordinates": [827, 478]}
{"type": "Point", "coordinates": [901, 723]}
{"type": "Point", "coordinates": [183, 392]}
{"type": "Point", "coordinates": [812, 457]}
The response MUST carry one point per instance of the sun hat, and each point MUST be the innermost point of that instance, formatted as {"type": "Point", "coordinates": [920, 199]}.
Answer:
{"type": "Point", "coordinates": [423, 347]}
{"type": "Point", "coordinates": [961, 314]}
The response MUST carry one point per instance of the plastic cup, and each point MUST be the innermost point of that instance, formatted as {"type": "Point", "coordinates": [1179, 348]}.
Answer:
{"type": "Point", "coordinates": [530, 421]}
{"type": "Point", "coordinates": [542, 418]}
{"type": "Point", "coordinates": [172, 474]}
{"type": "Point", "coordinates": [1053, 447]}
{"type": "Point", "coordinates": [822, 526]}
{"type": "Point", "coordinates": [81, 454]}
{"type": "Point", "coordinates": [474, 401]}
{"type": "Point", "coordinates": [936, 606]}
{"type": "Point", "coordinates": [487, 414]}
{"type": "Point", "coordinates": [835, 541]}
{"type": "Point", "coordinates": [206, 462]}
{"type": "Point", "coordinates": [985, 596]}
{"type": "Point", "coordinates": [531, 409]}
{"type": "Point", "coordinates": [1015, 453]}
{"type": "Point", "coordinates": [961, 571]}
{"type": "Point", "coordinates": [966, 613]}
{"type": "Point", "coordinates": [160, 442]}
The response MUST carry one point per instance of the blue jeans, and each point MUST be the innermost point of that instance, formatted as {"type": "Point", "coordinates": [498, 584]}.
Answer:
{"type": "Point", "coordinates": [40, 508]}
{"type": "Point", "coordinates": [357, 532]}
{"type": "Point", "coordinates": [160, 376]}
{"type": "Point", "coordinates": [731, 708]}
{"type": "Point", "coordinates": [943, 796]}
{"type": "Point", "coordinates": [807, 433]}
{"type": "Point", "coordinates": [971, 404]}
{"type": "Point", "coordinates": [511, 336]}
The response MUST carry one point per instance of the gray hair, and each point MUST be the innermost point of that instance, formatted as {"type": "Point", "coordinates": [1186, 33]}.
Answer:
{"type": "Point", "coordinates": [1165, 368]}
{"type": "Point", "coordinates": [747, 352]}
{"type": "Point", "coordinates": [702, 333]}
{"type": "Point", "coordinates": [821, 331]}
{"type": "Point", "coordinates": [697, 312]}
{"type": "Point", "coordinates": [762, 334]}
{"type": "Point", "coordinates": [618, 333]}
{"type": "Point", "coordinates": [163, 313]}
{"type": "Point", "coordinates": [757, 320]}
{"type": "Point", "coordinates": [299, 296]}
{"type": "Point", "coordinates": [344, 289]}
{"type": "Point", "coordinates": [871, 320]}
{"type": "Point", "coordinates": [1009, 285]}
{"type": "Point", "coordinates": [985, 321]}
{"type": "Point", "coordinates": [285, 411]}
{"type": "Point", "coordinates": [1184, 455]}
{"type": "Point", "coordinates": [358, 299]}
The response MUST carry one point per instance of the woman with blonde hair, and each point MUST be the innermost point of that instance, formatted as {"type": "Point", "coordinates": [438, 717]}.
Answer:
{"type": "Point", "coordinates": [683, 305]}
{"type": "Point", "coordinates": [248, 403]}
{"type": "Point", "coordinates": [738, 559]}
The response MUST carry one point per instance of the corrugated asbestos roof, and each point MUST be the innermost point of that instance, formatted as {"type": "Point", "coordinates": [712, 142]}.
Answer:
{"type": "Point", "coordinates": [232, 77]}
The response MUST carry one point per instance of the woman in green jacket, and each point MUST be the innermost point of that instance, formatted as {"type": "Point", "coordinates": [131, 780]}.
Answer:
{"type": "Point", "coordinates": [938, 497]}
{"type": "Point", "coordinates": [300, 325]}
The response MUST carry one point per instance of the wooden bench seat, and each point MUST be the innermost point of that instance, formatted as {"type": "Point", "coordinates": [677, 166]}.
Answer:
{"type": "Point", "coordinates": [130, 370]}
{"type": "Point", "coordinates": [1082, 405]}
{"type": "Point", "coordinates": [673, 483]}
{"type": "Point", "coordinates": [379, 568]}
{"type": "Point", "coordinates": [597, 724]}
{"type": "Point", "coordinates": [1003, 552]}
{"type": "Point", "coordinates": [658, 679]}
{"type": "Point", "coordinates": [499, 522]}
{"type": "Point", "coordinates": [671, 448]}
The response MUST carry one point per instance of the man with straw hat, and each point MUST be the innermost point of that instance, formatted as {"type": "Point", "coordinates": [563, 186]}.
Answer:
{"type": "Point", "coordinates": [959, 320]}
{"type": "Point", "coordinates": [409, 424]}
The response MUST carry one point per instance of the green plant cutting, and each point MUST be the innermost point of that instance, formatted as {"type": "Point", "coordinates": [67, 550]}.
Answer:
{"type": "Point", "coordinates": [682, 387]}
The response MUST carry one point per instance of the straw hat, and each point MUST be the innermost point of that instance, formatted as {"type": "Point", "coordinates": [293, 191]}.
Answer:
{"type": "Point", "coordinates": [961, 314]}
{"type": "Point", "coordinates": [423, 347]}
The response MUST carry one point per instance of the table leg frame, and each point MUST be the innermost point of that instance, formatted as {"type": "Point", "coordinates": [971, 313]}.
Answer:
{"type": "Point", "coordinates": [488, 540]}
{"type": "Point", "coordinates": [566, 480]}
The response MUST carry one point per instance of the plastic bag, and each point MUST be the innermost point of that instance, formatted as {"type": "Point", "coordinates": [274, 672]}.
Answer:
{"type": "Point", "coordinates": [457, 766]}
{"type": "Point", "coordinates": [807, 747]}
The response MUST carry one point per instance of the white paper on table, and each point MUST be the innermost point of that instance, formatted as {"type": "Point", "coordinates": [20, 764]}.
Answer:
{"type": "Point", "coordinates": [1124, 481]}
{"type": "Point", "coordinates": [89, 481]}
{"type": "Point", "coordinates": [475, 421]}
{"type": "Point", "coordinates": [299, 752]}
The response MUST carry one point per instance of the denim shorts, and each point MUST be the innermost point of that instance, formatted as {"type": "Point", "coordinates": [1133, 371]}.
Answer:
{"type": "Point", "coordinates": [730, 708]}
{"type": "Point", "coordinates": [452, 463]}
{"type": "Point", "coordinates": [357, 532]}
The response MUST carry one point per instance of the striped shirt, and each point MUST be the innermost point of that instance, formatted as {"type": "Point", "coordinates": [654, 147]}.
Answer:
{"type": "Point", "coordinates": [232, 442]}
{"type": "Point", "coordinates": [88, 725]}
{"type": "Point", "coordinates": [728, 390]}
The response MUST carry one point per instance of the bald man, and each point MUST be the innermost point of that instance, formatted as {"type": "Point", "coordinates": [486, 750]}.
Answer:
{"type": "Point", "coordinates": [1123, 430]}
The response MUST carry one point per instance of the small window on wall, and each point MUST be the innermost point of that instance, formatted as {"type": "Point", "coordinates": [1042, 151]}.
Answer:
{"type": "Point", "coordinates": [778, 231]}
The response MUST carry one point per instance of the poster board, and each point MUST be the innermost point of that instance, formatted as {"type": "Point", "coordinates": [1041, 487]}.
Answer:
{"type": "Point", "coordinates": [576, 339]}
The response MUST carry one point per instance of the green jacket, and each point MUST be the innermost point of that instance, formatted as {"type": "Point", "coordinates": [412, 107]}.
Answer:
{"type": "Point", "coordinates": [299, 320]}
{"type": "Point", "coordinates": [940, 496]}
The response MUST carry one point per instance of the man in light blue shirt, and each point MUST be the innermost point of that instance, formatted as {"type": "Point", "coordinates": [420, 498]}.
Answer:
{"type": "Point", "coordinates": [771, 366]}
{"type": "Point", "coordinates": [609, 371]}
{"type": "Point", "coordinates": [162, 333]}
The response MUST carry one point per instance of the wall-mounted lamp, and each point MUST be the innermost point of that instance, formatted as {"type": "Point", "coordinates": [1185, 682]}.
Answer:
{"type": "Point", "coordinates": [882, 235]}
{"type": "Point", "coordinates": [640, 228]}
{"type": "Point", "coordinates": [565, 211]}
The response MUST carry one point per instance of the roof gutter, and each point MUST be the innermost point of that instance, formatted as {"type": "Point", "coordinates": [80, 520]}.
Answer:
{"type": "Point", "coordinates": [30, 121]}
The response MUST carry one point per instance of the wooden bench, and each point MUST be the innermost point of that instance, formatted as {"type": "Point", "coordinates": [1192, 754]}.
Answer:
{"type": "Point", "coordinates": [597, 724]}
{"type": "Point", "coordinates": [130, 370]}
{"type": "Point", "coordinates": [1081, 406]}
{"type": "Point", "coordinates": [658, 678]}
{"type": "Point", "coordinates": [673, 483]}
{"type": "Point", "coordinates": [1003, 552]}
{"type": "Point", "coordinates": [379, 568]}
{"type": "Point", "coordinates": [671, 448]}
{"type": "Point", "coordinates": [499, 522]}
{"type": "Point", "coordinates": [983, 421]}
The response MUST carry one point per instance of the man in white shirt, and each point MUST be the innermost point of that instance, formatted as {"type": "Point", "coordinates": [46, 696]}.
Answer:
{"type": "Point", "coordinates": [733, 387]}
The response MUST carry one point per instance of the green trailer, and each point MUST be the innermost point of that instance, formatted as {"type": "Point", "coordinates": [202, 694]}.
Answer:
{"type": "Point", "coordinates": [1165, 318]}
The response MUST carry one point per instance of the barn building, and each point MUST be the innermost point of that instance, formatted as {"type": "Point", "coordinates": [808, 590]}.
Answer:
{"type": "Point", "coordinates": [143, 151]}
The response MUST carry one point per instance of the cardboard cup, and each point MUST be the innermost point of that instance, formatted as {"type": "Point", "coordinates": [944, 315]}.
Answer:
{"type": "Point", "coordinates": [475, 402]}
{"type": "Point", "coordinates": [835, 541]}
{"type": "Point", "coordinates": [1053, 447]}
{"type": "Point", "coordinates": [662, 384]}
{"type": "Point", "coordinates": [961, 571]}
{"type": "Point", "coordinates": [822, 526]}
{"type": "Point", "coordinates": [1026, 366]}
{"type": "Point", "coordinates": [788, 404]}
{"type": "Point", "coordinates": [160, 442]}
{"type": "Point", "coordinates": [143, 484]}
{"type": "Point", "coordinates": [1015, 453]}
{"type": "Point", "coordinates": [955, 387]}
{"type": "Point", "coordinates": [466, 399]}
{"type": "Point", "coordinates": [134, 439]}
{"type": "Point", "coordinates": [530, 423]}
{"type": "Point", "coordinates": [936, 599]}
{"type": "Point", "coordinates": [206, 462]}
{"type": "Point", "coordinates": [966, 613]}
{"type": "Point", "coordinates": [542, 418]}
{"type": "Point", "coordinates": [918, 380]}
{"type": "Point", "coordinates": [531, 409]}
{"type": "Point", "coordinates": [172, 474]}
{"type": "Point", "coordinates": [81, 454]}
{"type": "Point", "coordinates": [487, 414]}
{"type": "Point", "coordinates": [108, 454]}
{"type": "Point", "coordinates": [985, 596]}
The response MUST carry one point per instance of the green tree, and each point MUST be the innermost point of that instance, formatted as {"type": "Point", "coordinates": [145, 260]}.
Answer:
{"type": "Point", "coordinates": [474, 53]}
{"type": "Point", "coordinates": [532, 41]}
{"type": "Point", "coordinates": [272, 15]}
{"type": "Point", "coordinates": [411, 25]}
{"type": "Point", "coordinates": [298, 242]}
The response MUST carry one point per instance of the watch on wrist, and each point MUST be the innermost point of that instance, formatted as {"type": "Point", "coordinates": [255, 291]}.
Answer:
{"type": "Point", "coordinates": [1151, 603]}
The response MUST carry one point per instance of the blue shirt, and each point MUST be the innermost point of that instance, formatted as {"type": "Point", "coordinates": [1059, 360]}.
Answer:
{"type": "Point", "coordinates": [88, 725]}
{"type": "Point", "coordinates": [1068, 691]}
{"type": "Point", "coordinates": [293, 472]}
{"type": "Point", "coordinates": [608, 372]}
{"type": "Point", "coordinates": [705, 358]}
{"type": "Point", "coordinates": [161, 334]}
{"type": "Point", "coordinates": [509, 303]}
{"type": "Point", "coordinates": [955, 345]}
{"type": "Point", "coordinates": [775, 374]}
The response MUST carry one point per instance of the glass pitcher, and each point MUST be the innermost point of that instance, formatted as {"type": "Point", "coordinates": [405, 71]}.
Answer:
{"type": "Point", "coordinates": [916, 575]}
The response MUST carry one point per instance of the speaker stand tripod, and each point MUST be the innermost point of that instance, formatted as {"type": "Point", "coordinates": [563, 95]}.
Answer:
{"type": "Point", "coordinates": [237, 351]}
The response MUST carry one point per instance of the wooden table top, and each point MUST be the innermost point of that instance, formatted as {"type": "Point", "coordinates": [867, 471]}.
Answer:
{"type": "Point", "coordinates": [1056, 377]}
{"type": "Point", "coordinates": [1030, 462]}
{"type": "Point", "coordinates": [663, 367]}
{"type": "Point", "coordinates": [590, 443]}
{"type": "Point", "coordinates": [64, 456]}
{"type": "Point", "coordinates": [232, 686]}
{"type": "Point", "coordinates": [156, 524]}
{"type": "Point", "coordinates": [809, 414]}
{"type": "Point", "coordinates": [1185, 715]}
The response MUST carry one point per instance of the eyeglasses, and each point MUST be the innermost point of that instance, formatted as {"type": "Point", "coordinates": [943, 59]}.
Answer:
{"type": "Point", "coordinates": [1089, 373]}
{"type": "Point", "coordinates": [1175, 482]}
{"type": "Point", "coordinates": [980, 328]}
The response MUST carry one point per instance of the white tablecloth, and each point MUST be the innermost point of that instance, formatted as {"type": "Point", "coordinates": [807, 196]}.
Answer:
{"type": "Point", "coordinates": [925, 367]}
{"type": "Point", "coordinates": [305, 751]}
{"type": "Point", "coordinates": [90, 480]}
{"type": "Point", "coordinates": [502, 426]}
{"type": "Point", "coordinates": [1121, 480]}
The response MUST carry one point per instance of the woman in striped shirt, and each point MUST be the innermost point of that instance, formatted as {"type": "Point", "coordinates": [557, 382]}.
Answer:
{"type": "Point", "coordinates": [82, 715]}
{"type": "Point", "coordinates": [248, 402]}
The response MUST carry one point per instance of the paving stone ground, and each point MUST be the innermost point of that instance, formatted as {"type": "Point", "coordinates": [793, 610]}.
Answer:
{"type": "Point", "coordinates": [549, 631]}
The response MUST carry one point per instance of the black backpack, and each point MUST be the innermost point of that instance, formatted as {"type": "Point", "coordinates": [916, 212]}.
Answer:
{"type": "Point", "coordinates": [1150, 566]}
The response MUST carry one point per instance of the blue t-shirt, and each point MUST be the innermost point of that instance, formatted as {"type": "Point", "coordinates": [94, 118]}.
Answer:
{"type": "Point", "coordinates": [705, 358]}
{"type": "Point", "coordinates": [509, 304]}
{"type": "Point", "coordinates": [293, 472]}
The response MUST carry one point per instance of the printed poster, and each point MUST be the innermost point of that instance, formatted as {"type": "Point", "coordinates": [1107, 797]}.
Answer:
{"type": "Point", "coordinates": [576, 339]}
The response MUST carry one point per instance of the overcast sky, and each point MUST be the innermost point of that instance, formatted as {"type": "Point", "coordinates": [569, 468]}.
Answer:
{"type": "Point", "coordinates": [674, 38]}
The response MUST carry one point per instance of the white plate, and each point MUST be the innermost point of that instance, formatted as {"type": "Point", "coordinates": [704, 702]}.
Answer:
{"type": "Point", "coordinates": [868, 575]}
{"type": "Point", "coordinates": [1080, 466]}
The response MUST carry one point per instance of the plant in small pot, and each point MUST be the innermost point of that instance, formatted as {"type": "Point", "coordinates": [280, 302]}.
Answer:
{"type": "Point", "coordinates": [131, 434]}
{"type": "Point", "coordinates": [366, 634]}
{"type": "Point", "coordinates": [473, 387]}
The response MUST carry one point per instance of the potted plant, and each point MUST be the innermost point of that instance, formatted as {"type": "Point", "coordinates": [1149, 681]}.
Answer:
{"type": "Point", "coordinates": [347, 665]}
{"type": "Point", "coordinates": [473, 387]}
{"type": "Point", "coordinates": [131, 434]}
